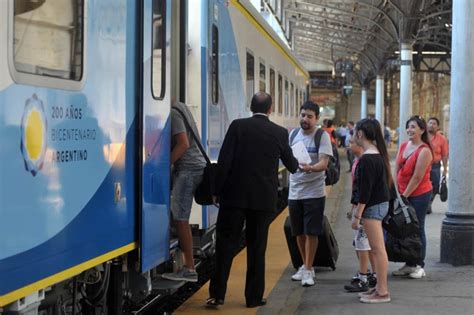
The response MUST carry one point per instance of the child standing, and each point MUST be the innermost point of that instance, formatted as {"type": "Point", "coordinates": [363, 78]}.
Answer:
{"type": "Point", "coordinates": [363, 280]}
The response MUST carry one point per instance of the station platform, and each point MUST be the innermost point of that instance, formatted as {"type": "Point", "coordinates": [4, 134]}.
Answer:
{"type": "Point", "coordinates": [445, 289]}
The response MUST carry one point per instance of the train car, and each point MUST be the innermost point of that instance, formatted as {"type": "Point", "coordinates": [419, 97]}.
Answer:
{"type": "Point", "coordinates": [86, 89]}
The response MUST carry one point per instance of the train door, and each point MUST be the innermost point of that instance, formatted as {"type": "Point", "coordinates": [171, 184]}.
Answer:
{"type": "Point", "coordinates": [154, 148]}
{"type": "Point", "coordinates": [217, 117]}
{"type": "Point", "coordinates": [216, 108]}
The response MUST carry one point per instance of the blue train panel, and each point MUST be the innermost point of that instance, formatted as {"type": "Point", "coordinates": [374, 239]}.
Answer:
{"type": "Point", "coordinates": [67, 183]}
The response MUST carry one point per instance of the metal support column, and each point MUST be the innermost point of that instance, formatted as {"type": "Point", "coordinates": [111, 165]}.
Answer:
{"type": "Point", "coordinates": [405, 89]}
{"type": "Point", "coordinates": [363, 103]}
{"type": "Point", "coordinates": [379, 98]}
{"type": "Point", "coordinates": [457, 231]}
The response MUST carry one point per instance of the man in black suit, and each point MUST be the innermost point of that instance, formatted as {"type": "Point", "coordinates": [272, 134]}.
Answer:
{"type": "Point", "coordinates": [246, 187]}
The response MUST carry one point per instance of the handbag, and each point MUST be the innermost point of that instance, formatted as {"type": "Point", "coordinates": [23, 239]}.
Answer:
{"type": "Point", "coordinates": [401, 220]}
{"type": "Point", "coordinates": [443, 190]}
{"type": "Point", "coordinates": [204, 191]}
{"type": "Point", "coordinates": [407, 249]}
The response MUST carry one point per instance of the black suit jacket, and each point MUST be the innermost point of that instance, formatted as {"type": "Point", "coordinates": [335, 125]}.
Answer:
{"type": "Point", "coordinates": [247, 172]}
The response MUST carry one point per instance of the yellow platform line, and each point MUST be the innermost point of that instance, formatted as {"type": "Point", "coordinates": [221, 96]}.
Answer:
{"type": "Point", "coordinates": [277, 259]}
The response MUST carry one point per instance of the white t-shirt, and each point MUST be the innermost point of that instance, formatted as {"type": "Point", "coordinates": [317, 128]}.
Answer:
{"type": "Point", "coordinates": [310, 185]}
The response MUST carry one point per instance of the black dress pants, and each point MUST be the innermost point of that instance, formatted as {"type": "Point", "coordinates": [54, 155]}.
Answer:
{"type": "Point", "coordinates": [230, 222]}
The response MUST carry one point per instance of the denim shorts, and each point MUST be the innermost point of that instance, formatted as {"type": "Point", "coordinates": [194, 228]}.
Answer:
{"type": "Point", "coordinates": [376, 212]}
{"type": "Point", "coordinates": [184, 186]}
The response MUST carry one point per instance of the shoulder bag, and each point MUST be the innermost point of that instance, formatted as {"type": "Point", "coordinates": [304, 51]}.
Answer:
{"type": "Point", "coordinates": [203, 193]}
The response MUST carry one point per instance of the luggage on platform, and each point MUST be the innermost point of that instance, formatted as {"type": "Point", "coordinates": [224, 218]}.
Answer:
{"type": "Point", "coordinates": [328, 250]}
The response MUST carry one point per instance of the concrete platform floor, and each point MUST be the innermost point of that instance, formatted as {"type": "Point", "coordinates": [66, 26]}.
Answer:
{"type": "Point", "coordinates": [445, 290]}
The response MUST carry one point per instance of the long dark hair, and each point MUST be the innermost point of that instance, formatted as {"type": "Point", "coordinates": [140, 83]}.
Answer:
{"type": "Point", "coordinates": [422, 124]}
{"type": "Point", "coordinates": [373, 132]}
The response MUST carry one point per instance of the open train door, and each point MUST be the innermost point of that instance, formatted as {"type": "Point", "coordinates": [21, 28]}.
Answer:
{"type": "Point", "coordinates": [154, 143]}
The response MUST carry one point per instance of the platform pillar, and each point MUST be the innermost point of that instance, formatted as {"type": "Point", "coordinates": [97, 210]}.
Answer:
{"type": "Point", "coordinates": [379, 97]}
{"type": "Point", "coordinates": [405, 89]}
{"type": "Point", "coordinates": [363, 103]}
{"type": "Point", "coordinates": [457, 230]}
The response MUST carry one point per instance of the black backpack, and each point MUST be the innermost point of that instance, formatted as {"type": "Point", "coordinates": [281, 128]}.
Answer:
{"type": "Point", "coordinates": [334, 169]}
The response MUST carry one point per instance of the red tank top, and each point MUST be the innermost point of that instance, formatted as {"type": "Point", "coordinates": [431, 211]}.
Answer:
{"type": "Point", "coordinates": [406, 168]}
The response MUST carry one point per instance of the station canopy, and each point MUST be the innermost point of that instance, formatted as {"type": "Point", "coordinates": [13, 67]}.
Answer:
{"type": "Point", "coordinates": [364, 36]}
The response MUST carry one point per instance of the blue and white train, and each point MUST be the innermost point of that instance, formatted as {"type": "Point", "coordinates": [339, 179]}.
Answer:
{"type": "Point", "coordinates": [85, 93]}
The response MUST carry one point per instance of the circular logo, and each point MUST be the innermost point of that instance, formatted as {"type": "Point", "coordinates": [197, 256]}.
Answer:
{"type": "Point", "coordinates": [33, 135]}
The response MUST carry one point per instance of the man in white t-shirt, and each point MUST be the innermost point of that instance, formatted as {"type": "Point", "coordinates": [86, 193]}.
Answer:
{"type": "Point", "coordinates": [307, 195]}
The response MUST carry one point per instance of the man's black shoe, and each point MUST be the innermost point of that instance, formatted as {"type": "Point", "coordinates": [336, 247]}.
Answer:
{"type": "Point", "coordinates": [261, 303]}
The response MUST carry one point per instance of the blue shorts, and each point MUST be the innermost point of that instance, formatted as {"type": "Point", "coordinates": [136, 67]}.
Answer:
{"type": "Point", "coordinates": [184, 186]}
{"type": "Point", "coordinates": [376, 212]}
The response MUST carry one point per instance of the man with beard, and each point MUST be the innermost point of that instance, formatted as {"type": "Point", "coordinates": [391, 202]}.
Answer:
{"type": "Point", "coordinates": [439, 145]}
{"type": "Point", "coordinates": [307, 194]}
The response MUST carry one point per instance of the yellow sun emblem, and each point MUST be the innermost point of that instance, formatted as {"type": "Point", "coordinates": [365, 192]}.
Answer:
{"type": "Point", "coordinates": [33, 134]}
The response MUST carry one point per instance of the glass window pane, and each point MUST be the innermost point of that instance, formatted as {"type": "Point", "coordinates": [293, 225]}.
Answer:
{"type": "Point", "coordinates": [287, 99]}
{"type": "Point", "coordinates": [48, 38]}
{"type": "Point", "coordinates": [215, 65]}
{"type": "Point", "coordinates": [292, 100]}
{"type": "Point", "coordinates": [158, 53]}
{"type": "Point", "coordinates": [272, 87]}
{"type": "Point", "coordinates": [263, 84]}
{"type": "Point", "coordinates": [250, 77]}
{"type": "Point", "coordinates": [280, 94]}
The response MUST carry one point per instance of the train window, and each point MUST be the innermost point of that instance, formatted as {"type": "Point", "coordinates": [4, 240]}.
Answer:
{"type": "Point", "coordinates": [297, 105]}
{"type": "Point", "coordinates": [48, 41]}
{"type": "Point", "coordinates": [292, 99]}
{"type": "Point", "coordinates": [250, 77]}
{"type": "Point", "coordinates": [272, 87]}
{"type": "Point", "coordinates": [280, 94]}
{"type": "Point", "coordinates": [263, 82]}
{"type": "Point", "coordinates": [287, 99]}
{"type": "Point", "coordinates": [215, 65]}
{"type": "Point", "coordinates": [158, 52]}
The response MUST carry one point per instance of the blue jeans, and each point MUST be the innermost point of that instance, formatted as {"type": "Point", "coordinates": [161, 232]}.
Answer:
{"type": "Point", "coordinates": [421, 203]}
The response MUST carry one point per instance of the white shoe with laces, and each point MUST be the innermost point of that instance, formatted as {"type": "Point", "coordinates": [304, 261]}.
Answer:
{"type": "Point", "coordinates": [298, 276]}
{"type": "Point", "coordinates": [307, 279]}
{"type": "Point", "coordinates": [418, 273]}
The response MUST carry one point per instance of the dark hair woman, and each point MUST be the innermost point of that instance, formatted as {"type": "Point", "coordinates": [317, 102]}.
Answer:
{"type": "Point", "coordinates": [413, 168]}
{"type": "Point", "coordinates": [373, 182]}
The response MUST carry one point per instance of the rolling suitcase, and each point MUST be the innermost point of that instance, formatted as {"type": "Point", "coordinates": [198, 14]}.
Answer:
{"type": "Point", "coordinates": [328, 250]}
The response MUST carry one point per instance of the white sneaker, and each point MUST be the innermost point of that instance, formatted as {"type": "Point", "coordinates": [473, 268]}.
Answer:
{"type": "Point", "coordinates": [307, 279]}
{"type": "Point", "coordinates": [418, 273]}
{"type": "Point", "coordinates": [298, 275]}
{"type": "Point", "coordinates": [404, 271]}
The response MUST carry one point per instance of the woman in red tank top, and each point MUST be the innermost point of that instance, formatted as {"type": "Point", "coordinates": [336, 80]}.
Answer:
{"type": "Point", "coordinates": [413, 167]}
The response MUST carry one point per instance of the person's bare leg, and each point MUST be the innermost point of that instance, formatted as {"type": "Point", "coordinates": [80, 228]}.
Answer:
{"type": "Point", "coordinates": [363, 261]}
{"type": "Point", "coordinates": [311, 247]}
{"type": "Point", "coordinates": [373, 228]}
{"type": "Point", "coordinates": [301, 240]}
{"type": "Point", "coordinates": [185, 242]}
{"type": "Point", "coordinates": [372, 262]}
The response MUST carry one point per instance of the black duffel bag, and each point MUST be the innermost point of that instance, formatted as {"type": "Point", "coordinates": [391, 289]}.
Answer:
{"type": "Point", "coordinates": [407, 249]}
{"type": "Point", "coordinates": [203, 193]}
{"type": "Point", "coordinates": [401, 220]}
